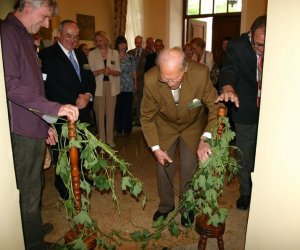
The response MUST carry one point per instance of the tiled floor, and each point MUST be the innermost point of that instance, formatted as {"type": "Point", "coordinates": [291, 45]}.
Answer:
{"type": "Point", "coordinates": [132, 217]}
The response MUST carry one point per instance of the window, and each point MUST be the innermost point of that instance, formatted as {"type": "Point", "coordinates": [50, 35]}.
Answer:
{"type": "Point", "coordinates": [204, 7]}
{"type": "Point", "coordinates": [200, 17]}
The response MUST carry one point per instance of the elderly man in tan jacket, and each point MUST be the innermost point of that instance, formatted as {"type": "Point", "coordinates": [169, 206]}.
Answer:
{"type": "Point", "coordinates": [173, 112]}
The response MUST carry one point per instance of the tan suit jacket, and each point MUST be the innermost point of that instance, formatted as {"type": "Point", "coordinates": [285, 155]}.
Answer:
{"type": "Point", "coordinates": [163, 122]}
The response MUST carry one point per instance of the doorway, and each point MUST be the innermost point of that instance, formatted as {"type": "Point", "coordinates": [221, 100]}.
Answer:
{"type": "Point", "coordinates": [224, 26]}
{"type": "Point", "coordinates": [213, 29]}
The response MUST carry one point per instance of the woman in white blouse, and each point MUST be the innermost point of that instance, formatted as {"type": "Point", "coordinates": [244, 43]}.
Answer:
{"type": "Point", "coordinates": [105, 65]}
{"type": "Point", "coordinates": [200, 54]}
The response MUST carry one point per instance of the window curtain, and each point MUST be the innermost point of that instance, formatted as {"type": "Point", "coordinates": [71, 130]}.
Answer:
{"type": "Point", "coordinates": [120, 17]}
{"type": "Point", "coordinates": [134, 21]}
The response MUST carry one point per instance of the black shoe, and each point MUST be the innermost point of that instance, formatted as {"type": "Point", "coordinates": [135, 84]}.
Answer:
{"type": "Point", "coordinates": [187, 222]}
{"type": "Point", "coordinates": [243, 202]}
{"type": "Point", "coordinates": [128, 135]}
{"type": "Point", "coordinates": [64, 194]}
{"type": "Point", "coordinates": [51, 245]}
{"type": "Point", "coordinates": [61, 188]}
{"type": "Point", "coordinates": [158, 214]}
{"type": "Point", "coordinates": [47, 228]}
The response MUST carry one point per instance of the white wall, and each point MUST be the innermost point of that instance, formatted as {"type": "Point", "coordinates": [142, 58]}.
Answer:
{"type": "Point", "coordinates": [11, 236]}
{"type": "Point", "coordinates": [274, 217]}
{"type": "Point", "coordinates": [174, 24]}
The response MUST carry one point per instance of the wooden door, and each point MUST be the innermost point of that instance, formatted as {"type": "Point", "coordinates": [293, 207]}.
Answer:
{"type": "Point", "coordinates": [224, 26]}
{"type": "Point", "coordinates": [196, 28]}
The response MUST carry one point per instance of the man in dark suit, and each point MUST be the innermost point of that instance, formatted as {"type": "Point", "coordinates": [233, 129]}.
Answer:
{"type": "Point", "coordinates": [151, 58]}
{"type": "Point", "coordinates": [167, 121]}
{"type": "Point", "coordinates": [139, 54]}
{"type": "Point", "coordinates": [240, 83]}
{"type": "Point", "coordinates": [67, 78]}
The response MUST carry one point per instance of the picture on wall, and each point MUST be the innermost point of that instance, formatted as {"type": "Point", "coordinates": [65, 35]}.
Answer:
{"type": "Point", "coordinates": [86, 26]}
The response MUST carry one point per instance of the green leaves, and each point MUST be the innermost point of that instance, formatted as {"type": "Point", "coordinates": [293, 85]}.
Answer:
{"type": "Point", "coordinates": [129, 183]}
{"type": "Point", "coordinates": [173, 228]}
{"type": "Point", "coordinates": [101, 243]}
{"type": "Point", "coordinates": [140, 236]}
{"type": "Point", "coordinates": [83, 218]}
{"type": "Point", "coordinates": [79, 245]}
{"type": "Point", "coordinates": [102, 183]}
{"type": "Point", "coordinates": [126, 183]}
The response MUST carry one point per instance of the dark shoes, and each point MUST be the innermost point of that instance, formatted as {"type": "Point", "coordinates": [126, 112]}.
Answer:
{"type": "Point", "coordinates": [47, 228]}
{"type": "Point", "coordinates": [243, 202]}
{"type": "Point", "coordinates": [158, 214]}
{"type": "Point", "coordinates": [51, 246]}
{"type": "Point", "coordinates": [187, 222]}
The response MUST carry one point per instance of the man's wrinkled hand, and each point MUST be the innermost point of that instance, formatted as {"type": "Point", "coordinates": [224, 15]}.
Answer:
{"type": "Point", "coordinates": [70, 111]}
{"type": "Point", "coordinates": [204, 151]}
{"type": "Point", "coordinates": [162, 157]}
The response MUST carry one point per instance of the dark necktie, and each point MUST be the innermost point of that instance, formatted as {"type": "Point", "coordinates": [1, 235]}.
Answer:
{"type": "Point", "coordinates": [259, 77]}
{"type": "Point", "coordinates": [75, 64]}
{"type": "Point", "coordinates": [137, 56]}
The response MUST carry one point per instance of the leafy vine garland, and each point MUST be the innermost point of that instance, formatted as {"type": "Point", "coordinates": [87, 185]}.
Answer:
{"type": "Point", "coordinates": [99, 163]}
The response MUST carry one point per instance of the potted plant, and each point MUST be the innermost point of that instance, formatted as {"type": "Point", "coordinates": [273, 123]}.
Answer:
{"type": "Point", "coordinates": [99, 165]}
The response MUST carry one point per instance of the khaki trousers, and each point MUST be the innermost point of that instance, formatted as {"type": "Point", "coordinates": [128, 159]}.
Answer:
{"type": "Point", "coordinates": [104, 107]}
{"type": "Point", "coordinates": [165, 175]}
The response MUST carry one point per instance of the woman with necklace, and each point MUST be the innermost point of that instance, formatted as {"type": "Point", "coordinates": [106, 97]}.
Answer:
{"type": "Point", "coordinates": [128, 88]}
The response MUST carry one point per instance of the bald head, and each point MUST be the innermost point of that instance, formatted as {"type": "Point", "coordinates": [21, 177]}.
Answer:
{"type": "Point", "coordinates": [172, 65]}
{"type": "Point", "coordinates": [174, 57]}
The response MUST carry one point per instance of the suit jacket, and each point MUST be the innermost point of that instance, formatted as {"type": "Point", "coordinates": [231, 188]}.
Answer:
{"type": "Point", "coordinates": [62, 83]}
{"type": "Point", "coordinates": [239, 70]}
{"type": "Point", "coordinates": [150, 61]}
{"type": "Point", "coordinates": [163, 122]}
{"type": "Point", "coordinates": [140, 67]}
{"type": "Point", "coordinates": [113, 61]}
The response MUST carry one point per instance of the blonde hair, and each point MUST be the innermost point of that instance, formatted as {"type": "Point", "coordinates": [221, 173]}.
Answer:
{"type": "Point", "coordinates": [103, 34]}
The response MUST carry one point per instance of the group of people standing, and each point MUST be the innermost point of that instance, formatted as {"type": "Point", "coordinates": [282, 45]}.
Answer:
{"type": "Point", "coordinates": [63, 82]}
{"type": "Point", "coordinates": [119, 75]}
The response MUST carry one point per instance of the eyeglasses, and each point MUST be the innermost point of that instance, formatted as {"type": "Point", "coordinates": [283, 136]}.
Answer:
{"type": "Point", "coordinates": [175, 81]}
{"type": "Point", "coordinates": [170, 81]}
{"type": "Point", "coordinates": [258, 45]}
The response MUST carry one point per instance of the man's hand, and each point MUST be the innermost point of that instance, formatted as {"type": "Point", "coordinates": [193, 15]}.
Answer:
{"type": "Point", "coordinates": [70, 111]}
{"type": "Point", "coordinates": [162, 157]}
{"type": "Point", "coordinates": [83, 100]}
{"type": "Point", "coordinates": [204, 151]}
{"type": "Point", "coordinates": [228, 94]}
{"type": "Point", "coordinates": [52, 137]}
